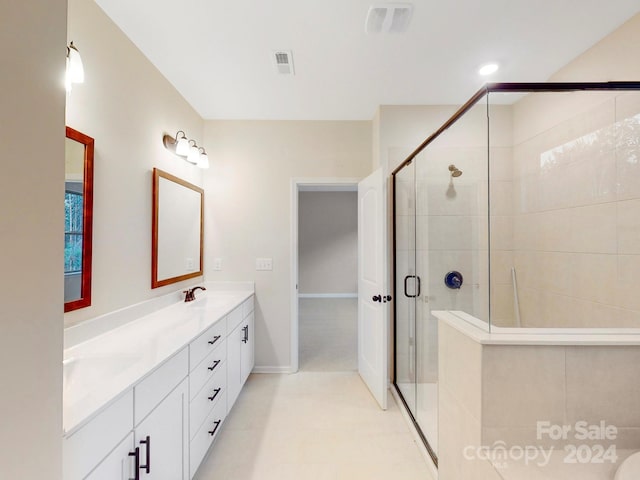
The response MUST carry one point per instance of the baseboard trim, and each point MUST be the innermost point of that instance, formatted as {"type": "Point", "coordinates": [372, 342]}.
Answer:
{"type": "Point", "coordinates": [286, 369]}
{"type": "Point", "coordinates": [327, 295]}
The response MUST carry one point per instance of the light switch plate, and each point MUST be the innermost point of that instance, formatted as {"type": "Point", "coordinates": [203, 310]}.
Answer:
{"type": "Point", "coordinates": [264, 263]}
{"type": "Point", "coordinates": [189, 264]}
{"type": "Point", "coordinates": [217, 264]}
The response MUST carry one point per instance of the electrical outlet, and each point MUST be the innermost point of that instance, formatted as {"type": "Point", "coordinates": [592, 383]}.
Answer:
{"type": "Point", "coordinates": [217, 264]}
{"type": "Point", "coordinates": [264, 263]}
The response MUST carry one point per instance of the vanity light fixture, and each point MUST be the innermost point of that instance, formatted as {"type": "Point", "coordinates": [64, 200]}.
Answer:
{"type": "Point", "coordinates": [182, 144]}
{"type": "Point", "coordinates": [203, 160]}
{"type": "Point", "coordinates": [75, 69]}
{"type": "Point", "coordinates": [194, 153]}
{"type": "Point", "coordinates": [186, 148]}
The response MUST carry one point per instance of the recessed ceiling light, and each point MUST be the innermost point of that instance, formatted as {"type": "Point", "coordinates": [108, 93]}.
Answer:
{"type": "Point", "coordinates": [488, 69]}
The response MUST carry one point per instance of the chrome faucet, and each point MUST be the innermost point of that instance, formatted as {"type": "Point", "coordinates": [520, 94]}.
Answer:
{"type": "Point", "coordinates": [190, 294]}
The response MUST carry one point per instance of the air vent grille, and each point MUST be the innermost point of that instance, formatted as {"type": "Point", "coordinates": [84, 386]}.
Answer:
{"type": "Point", "coordinates": [283, 61]}
{"type": "Point", "coordinates": [389, 18]}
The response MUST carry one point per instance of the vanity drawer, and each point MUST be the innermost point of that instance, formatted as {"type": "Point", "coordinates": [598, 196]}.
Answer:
{"type": "Point", "coordinates": [207, 342]}
{"type": "Point", "coordinates": [152, 389]}
{"type": "Point", "coordinates": [87, 447]}
{"type": "Point", "coordinates": [247, 306]}
{"type": "Point", "coordinates": [203, 437]}
{"type": "Point", "coordinates": [234, 318]}
{"type": "Point", "coordinates": [214, 391]}
{"type": "Point", "coordinates": [212, 364]}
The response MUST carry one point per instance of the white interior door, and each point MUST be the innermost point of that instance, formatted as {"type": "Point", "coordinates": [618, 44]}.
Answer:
{"type": "Point", "coordinates": [373, 332]}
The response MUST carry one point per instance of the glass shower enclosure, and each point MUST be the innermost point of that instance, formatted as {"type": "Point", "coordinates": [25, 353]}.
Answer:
{"type": "Point", "coordinates": [504, 216]}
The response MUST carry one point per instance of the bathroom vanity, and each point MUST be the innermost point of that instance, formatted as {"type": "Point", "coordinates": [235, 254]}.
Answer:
{"type": "Point", "coordinates": [146, 400]}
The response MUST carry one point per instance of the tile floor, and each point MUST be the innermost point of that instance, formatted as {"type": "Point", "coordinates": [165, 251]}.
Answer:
{"type": "Point", "coordinates": [312, 426]}
{"type": "Point", "coordinates": [328, 334]}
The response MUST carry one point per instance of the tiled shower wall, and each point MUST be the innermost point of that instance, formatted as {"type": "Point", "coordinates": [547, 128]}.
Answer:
{"type": "Point", "coordinates": [452, 217]}
{"type": "Point", "coordinates": [576, 211]}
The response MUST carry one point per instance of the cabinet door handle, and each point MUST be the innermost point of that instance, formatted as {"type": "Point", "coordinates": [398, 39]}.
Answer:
{"type": "Point", "coordinates": [215, 394]}
{"type": "Point", "coordinates": [147, 442]}
{"type": "Point", "coordinates": [215, 364]}
{"type": "Point", "coordinates": [217, 424]}
{"type": "Point", "coordinates": [245, 338]}
{"type": "Point", "coordinates": [215, 339]}
{"type": "Point", "coordinates": [136, 454]}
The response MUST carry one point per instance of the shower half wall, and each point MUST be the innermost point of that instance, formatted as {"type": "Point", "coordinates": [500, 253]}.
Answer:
{"type": "Point", "coordinates": [523, 212]}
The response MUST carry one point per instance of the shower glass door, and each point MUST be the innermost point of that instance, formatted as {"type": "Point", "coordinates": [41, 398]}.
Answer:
{"type": "Point", "coordinates": [406, 284]}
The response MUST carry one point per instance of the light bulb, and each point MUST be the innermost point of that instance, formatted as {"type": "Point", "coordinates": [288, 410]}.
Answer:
{"type": "Point", "coordinates": [75, 69]}
{"type": "Point", "coordinates": [194, 155]}
{"type": "Point", "coordinates": [67, 79]}
{"type": "Point", "coordinates": [203, 161]}
{"type": "Point", "coordinates": [182, 146]}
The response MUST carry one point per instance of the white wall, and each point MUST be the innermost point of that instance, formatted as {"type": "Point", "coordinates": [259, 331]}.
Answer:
{"type": "Point", "coordinates": [32, 49]}
{"type": "Point", "coordinates": [126, 105]}
{"type": "Point", "coordinates": [328, 242]}
{"type": "Point", "coordinates": [248, 206]}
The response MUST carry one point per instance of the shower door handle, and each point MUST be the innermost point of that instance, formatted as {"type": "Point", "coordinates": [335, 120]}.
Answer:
{"type": "Point", "coordinates": [417, 290]}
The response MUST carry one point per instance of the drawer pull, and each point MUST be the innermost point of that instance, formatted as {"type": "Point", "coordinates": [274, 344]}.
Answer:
{"type": "Point", "coordinates": [215, 364]}
{"type": "Point", "coordinates": [147, 442]}
{"type": "Point", "coordinates": [215, 394]}
{"type": "Point", "coordinates": [217, 424]}
{"type": "Point", "coordinates": [215, 339]}
{"type": "Point", "coordinates": [136, 454]}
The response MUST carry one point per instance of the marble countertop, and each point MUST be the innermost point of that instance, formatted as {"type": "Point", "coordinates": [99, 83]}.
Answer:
{"type": "Point", "coordinates": [98, 370]}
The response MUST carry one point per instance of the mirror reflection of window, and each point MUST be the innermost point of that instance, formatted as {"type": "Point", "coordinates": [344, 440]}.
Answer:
{"type": "Point", "coordinates": [73, 234]}
{"type": "Point", "coordinates": [78, 207]}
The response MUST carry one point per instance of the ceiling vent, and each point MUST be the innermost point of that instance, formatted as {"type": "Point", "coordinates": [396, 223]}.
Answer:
{"type": "Point", "coordinates": [388, 18]}
{"type": "Point", "coordinates": [283, 61]}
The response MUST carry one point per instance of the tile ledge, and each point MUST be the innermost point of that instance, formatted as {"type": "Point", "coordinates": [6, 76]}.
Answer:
{"type": "Point", "coordinates": [477, 330]}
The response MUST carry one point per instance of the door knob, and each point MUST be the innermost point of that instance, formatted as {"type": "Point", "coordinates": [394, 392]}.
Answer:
{"type": "Point", "coordinates": [377, 298]}
{"type": "Point", "coordinates": [386, 298]}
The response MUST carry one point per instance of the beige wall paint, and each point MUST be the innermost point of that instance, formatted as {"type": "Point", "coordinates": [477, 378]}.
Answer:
{"type": "Point", "coordinates": [126, 105]}
{"type": "Point", "coordinates": [32, 49]}
{"type": "Point", "coordinates": [612, 58]}
{"type": "Point", "coordinates": [328, 242]}
{"type": "Point", "coordinates": [576, 218]}
{"type": "Point", "coordinates": [248, 206]}
{"type": "Point", "coordinates": [403, 127]}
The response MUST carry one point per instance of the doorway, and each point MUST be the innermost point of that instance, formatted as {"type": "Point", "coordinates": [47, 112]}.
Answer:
{"type": "Point", "coordinates": [324, 272]}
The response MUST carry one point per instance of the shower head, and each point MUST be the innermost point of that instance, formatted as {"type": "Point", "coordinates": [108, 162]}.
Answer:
{"type": "Point", "coordinates": [455, 172]}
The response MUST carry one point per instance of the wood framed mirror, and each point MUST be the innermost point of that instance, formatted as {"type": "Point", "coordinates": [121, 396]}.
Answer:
{"type": "Point", "coordinates": [78, 219]}
{"type": "Point", "coordinates": [177, 230]}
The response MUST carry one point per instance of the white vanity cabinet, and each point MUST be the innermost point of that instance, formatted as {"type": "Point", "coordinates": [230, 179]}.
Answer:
{"type": "Point", "coordinates": [162, 438]}
{"type": "Point", "coordinates": [240, 350]}
{"type": "Point", "coordinates": [164, 421]}
{"type": "Point", "coordinates": [119, 464]}
{"type": "Point", "coordinates": [152, 418]}
{"type": "Point", "coordinates": [161, 420]}
{"type": "Point", "coordinates": [208, 390]}
{"type": "Point", "coordinates": [100, 448]}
